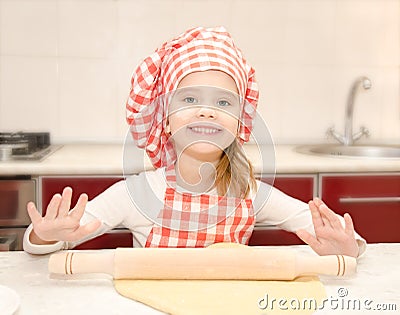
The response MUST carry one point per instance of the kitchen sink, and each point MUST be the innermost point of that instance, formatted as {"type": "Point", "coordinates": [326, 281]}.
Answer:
{"type": "Point", "coordinates": [339, 150]}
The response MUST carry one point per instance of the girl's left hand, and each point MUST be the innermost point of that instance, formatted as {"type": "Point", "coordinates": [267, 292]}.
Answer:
{"type": "Point", "coordinates": [331, 238]}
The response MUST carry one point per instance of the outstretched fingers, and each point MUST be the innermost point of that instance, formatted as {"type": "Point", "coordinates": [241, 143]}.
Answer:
{"type": "Point", "coordinates": [79, 209]}
{"type": "Point", "coordinates": [65, 203]}
{"type": "Point", "coordinates": [331, 217]}
{"type": "Point", "coordinates": [321, 205]}
{"type": "Point", "coordinates": [33, 213]}
{"type": "Point", "coordinates": [52, 208]}
{"type": "Point", "coordinates": [349, 226]}
{"type": "Point", "coordinates": [316, 215]}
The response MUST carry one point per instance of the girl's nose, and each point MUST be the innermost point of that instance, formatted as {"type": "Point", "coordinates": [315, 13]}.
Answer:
{"type": "Point", "coordinates": [206, 112]}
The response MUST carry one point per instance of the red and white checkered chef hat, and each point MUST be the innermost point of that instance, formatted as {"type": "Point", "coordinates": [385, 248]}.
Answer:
{"type": "Point", "coordinates": [198, 49]}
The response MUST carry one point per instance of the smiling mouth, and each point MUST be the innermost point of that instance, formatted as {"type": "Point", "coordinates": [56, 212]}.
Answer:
{"type": "Point", "coordinates": [205, 130]}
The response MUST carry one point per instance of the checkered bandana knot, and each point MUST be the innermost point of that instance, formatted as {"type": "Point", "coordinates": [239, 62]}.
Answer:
{"type": "Point", "coordinates": [189, 220]}
{"type": "Point", "coordinates": [198, 49]}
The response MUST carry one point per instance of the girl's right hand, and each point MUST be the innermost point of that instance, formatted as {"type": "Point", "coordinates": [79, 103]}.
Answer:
{"type": "Point", "coordinates": [60, 223]}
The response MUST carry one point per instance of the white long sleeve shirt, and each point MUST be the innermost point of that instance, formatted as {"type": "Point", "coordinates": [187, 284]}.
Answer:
{"type": "Point", "coordinates": [129, 203]}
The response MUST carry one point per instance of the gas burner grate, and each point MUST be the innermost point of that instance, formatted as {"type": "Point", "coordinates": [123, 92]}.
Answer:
{"type": "Point", "coordinates": [24, 145]}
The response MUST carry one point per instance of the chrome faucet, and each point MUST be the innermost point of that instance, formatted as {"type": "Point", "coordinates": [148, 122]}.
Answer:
{"type": "Point", "coordinates": [349, 138]}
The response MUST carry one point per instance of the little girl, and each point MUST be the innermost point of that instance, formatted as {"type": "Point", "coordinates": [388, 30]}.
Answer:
{"type": "Point", "coordinates": [191, 107]}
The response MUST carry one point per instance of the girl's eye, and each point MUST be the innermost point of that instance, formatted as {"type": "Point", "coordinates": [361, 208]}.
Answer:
{"type": "Point", "coordinates": [223, 103]}
{"type": "Point", "coordinates": [190, 100]}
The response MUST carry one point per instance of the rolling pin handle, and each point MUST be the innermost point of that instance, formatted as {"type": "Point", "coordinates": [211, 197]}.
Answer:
{"type": "Point", "coordinates": [70, 262]}
{"type": "Point", "coordinates": [57, 263]}
{"type": "Point", "coordinates": [332, 265]}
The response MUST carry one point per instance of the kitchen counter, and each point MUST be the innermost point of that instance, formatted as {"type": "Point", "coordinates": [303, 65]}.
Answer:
{"type": "Point", "coordinates": [376, 284]}
{"type": "Point", "coordinates": [107, 159]}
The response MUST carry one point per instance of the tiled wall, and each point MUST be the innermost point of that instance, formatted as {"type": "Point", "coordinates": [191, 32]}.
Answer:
{"type": "Point", "coordinates": [65, 65]}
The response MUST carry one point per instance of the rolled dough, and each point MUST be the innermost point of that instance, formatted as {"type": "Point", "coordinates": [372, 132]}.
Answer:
{"type": "Point", "coordinates": [199, 297]}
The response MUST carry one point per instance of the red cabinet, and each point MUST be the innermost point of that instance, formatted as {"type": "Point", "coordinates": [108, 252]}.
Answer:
{"type": "Point", "coordinates": [373, 201]}
{"type": "Point", "coordinates": [113, 239]}
{"type": "Point", "coordinates": [92, 186]}
{"type": "Point", "coordinates": [302, 187]}
{"type": "Point", "coordinates": [264, 236]}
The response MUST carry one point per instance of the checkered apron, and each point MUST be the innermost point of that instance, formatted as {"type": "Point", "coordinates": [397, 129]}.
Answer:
{"type": "Point", "coordinates": [190, 220]}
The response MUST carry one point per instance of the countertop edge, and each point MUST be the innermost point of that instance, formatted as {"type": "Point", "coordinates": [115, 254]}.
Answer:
{"type": "Point", "coordinates": [108, 159]}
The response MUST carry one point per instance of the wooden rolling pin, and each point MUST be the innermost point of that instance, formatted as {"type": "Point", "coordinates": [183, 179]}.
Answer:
{"type": "Point", "coordinates": [200, 263]}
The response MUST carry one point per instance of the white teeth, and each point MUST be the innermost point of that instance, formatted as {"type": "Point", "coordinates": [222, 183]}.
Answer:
{"type": "Point", "coordinates": [204, 130]}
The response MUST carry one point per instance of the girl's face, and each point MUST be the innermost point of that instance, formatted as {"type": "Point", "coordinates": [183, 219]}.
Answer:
{"type": "Point", "coordinates": [204, 114]}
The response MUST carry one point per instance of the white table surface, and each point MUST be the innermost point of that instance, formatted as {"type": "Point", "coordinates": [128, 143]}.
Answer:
{"type": "Point", "coordinates": [377, 281]}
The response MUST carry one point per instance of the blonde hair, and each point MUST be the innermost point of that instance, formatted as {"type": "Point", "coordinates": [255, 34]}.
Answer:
{"type": "Point", "coordinates": [234, 172]}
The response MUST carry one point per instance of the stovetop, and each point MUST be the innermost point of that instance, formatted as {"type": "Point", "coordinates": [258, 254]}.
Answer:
{"type": "Point", "coordinates": [25, 146]}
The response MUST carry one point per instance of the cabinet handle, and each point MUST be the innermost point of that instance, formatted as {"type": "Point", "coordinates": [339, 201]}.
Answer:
{"type": "Point", "coordinates": [369, 199]}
